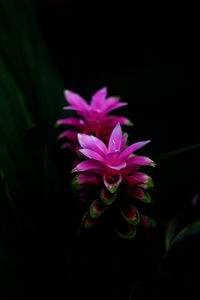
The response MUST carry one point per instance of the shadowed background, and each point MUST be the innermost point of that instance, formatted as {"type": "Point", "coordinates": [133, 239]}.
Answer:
{"type": "Point", "coordinates": [148, 56]}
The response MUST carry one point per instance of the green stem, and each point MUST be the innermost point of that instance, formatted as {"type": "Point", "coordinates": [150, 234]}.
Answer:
{"type": "Point", "coordinates": [176, 152]}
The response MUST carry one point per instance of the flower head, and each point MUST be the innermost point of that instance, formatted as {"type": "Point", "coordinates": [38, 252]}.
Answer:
{"type": "Point", "coordinates": [99, 107]}
{"type": "Point", "coordinates": [107, 174]}
{"type": "Point", "coordinates": [91, 118]}
{"type": "Point", "coordinates": [112, 160]}
{"type": "Point", "coordinates": [114, 169]}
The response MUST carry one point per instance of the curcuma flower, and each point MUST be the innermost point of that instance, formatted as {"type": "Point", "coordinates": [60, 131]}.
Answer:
{"type": "Point", "coordinates": [91, 118]}
{"type": "Point", "coordinates": [112, 173]}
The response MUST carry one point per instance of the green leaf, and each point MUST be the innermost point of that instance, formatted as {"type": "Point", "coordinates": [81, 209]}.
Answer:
{"type": "Point", "coordinates": [171, 229]}
{"type": "Point", "coordinates": [31, 100]}
{"type": "Point", "coordinates": [176, 152]}
{"type": "Point", "coordinates": [26, 56]}
{"type": "Point", "coordinates": [186, 215]}
{"type": "Point", "coordinates": [190, 234]}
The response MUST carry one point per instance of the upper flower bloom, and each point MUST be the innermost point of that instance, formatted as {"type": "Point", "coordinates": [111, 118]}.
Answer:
{"type": "Point", "coordinates": [100, 105]}
{"type": "Point", "coordinates": [114, 161]}
{"type": "Point", "coordinates": [92, 118]}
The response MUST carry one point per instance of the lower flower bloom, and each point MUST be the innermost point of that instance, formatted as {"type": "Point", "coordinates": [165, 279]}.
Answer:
{"type": "Point", "coordinates": [111, 175]}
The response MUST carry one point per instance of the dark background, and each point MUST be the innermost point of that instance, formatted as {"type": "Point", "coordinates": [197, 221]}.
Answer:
{"type": "Point", "coordinates": [148, 55]}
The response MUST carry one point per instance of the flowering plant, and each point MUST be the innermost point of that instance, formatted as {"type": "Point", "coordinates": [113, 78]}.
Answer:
{"type": "Point", "coordinates": [107, 169]}
{"type": "Point", "coordinates": [40, 252]}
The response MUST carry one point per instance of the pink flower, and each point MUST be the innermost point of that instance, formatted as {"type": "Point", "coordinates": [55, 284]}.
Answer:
{"type": "Point", "coordinates": [108, 177]}
{"type": "Point", "coordinates": [91, 118]}
{"type": "Point", "coordinates": [113, 162]}
{"type": "Point", "coordinates": [113, 169]}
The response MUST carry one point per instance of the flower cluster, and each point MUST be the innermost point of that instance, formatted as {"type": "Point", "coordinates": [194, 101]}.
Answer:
{"type": "Point", "coordinates": [91, 119]}
{"type": "Point", "coordinates": [108, 175]}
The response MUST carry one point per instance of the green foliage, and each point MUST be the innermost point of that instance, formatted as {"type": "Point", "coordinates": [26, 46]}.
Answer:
{"type": "Point", "coordinates": [187, 237]}
{"type": "Point", "coordinates": [31, 97]}
{"type": "Point", "coordinates": [177, 152]}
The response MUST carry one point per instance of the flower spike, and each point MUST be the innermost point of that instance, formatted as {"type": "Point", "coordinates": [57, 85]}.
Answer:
{"type": "Point", "coordinates": [106, 171]}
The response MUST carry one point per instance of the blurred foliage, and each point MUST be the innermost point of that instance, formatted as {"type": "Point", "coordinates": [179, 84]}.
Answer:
{"type": "Point", "coordinates": [40, 253]}
{"type": "Point", "coordinates": [31, 97]}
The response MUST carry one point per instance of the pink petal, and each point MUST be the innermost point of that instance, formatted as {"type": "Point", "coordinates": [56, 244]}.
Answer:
{"type": "Point", "coordinates": [115, 139]}
{"type": "Point", "coordinates": [92, 143]}
{"type": "Point", "coordinates": [139, 193]}
{"type": "Point", "coordinates": [69, 134]}
{"type": "Point", "coordinates": [112, 121]}
{"type": "Point", "coordinates": [124, 140]}
{"type": "Point", "coordinates": [108, 106]}
{"type": "Point", "coordinates": [130, 149]}
{"type": "Point", "coordinates": [129, 169]}
{"type": "Point", "coordinates": [130, 181]}
{"type": "Point", "coordinates": [92, 154]}
{"type": "Point", "coordinates": [76, 100]}
{"type": "Point", "coordinates": [112, 157]}
{"type": "Point", "coordinates": [140, 160]}
{"type": "Point", "coordinates": [117, 167]}
{"type": "Point", "coordinates": [112, 102]}
{"type": "Point", "coordinates": [95, 115]}
{"type": "Point", "coordinates": [98, 99]}
{"type": "Point", "coordinates": [71, 107]}
{"type": "Point", "coordinates": [141, 177]}
{"type": "Point", "coordinates": [87, 177]}
{"type": "Point", "coordinates": [148, 184]}
{"type": "Point", "coordinates": [79, 110]}
{"type": "Point", "coordinates": [98, 172]}
{"type": "Point", "coordinates": [88, 165]}
{"type": "Point", "coordinates": [76, 122]}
